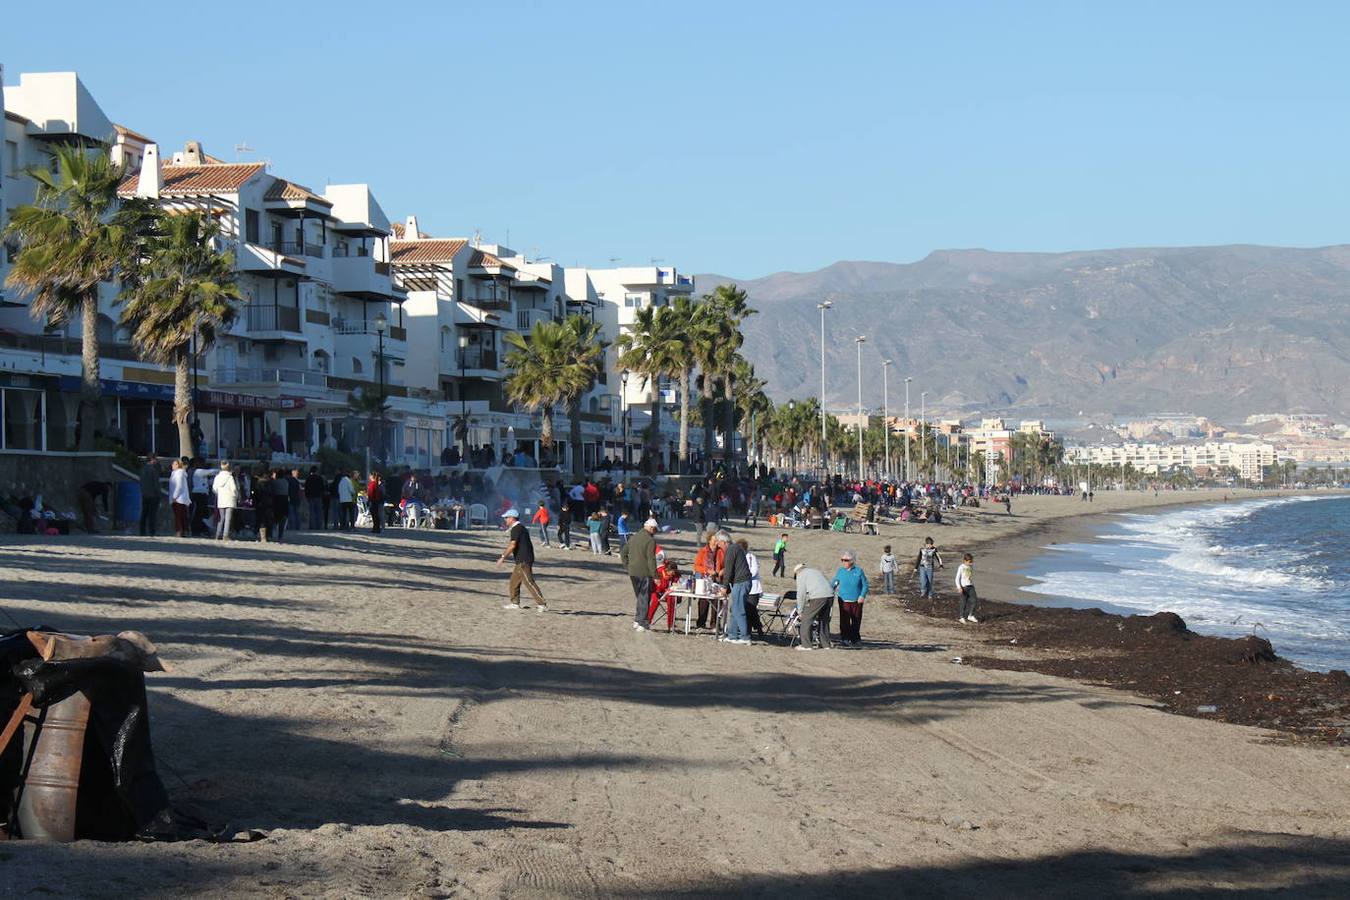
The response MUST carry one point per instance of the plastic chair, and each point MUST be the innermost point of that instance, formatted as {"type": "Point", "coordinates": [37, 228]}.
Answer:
{"type": "Point", "coordinates": [478, 513]}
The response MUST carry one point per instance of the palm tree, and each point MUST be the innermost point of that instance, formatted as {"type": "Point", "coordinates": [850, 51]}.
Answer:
{"type": "Point", "coordinates": [752, 404]}
{"type": "Point", "coordinates": [654, 347]}
{"type": "Point", "coordinates": [588, 354]}
{"type": "Point", "coordinates": [75, 237]}
{"type": "Point", "coordinates": [732, 302]}
{"type": "Point", "coordinates": [186, 288]}
{"type": "Point", "coordinates": [554, 364]}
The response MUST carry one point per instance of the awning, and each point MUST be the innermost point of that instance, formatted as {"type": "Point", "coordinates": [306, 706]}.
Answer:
{"type": "Point", "coordinates": [110, 388]}
{"type": "Point", "coordinates": [228, 400]}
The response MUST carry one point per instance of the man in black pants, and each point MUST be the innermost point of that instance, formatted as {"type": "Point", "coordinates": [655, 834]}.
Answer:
{"type": "Point", "coordinates": [150, 494]}
{"type": "Point", "coordinates": [638, 555]}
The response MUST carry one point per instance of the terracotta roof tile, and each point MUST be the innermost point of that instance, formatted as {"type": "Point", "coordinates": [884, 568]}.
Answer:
{"type": "Point", "coordinates": [397, 229]}
{"type": "Point", "coordinates": [289, 190]}
{"type": "Point", "coordinates": [198, 179]}
{"type": "Point", "coordinates": [427, 250]}
{"type": "Point", "coordinates": [134, 135]}
{"type": "Point", "coordinates": [482, 259]}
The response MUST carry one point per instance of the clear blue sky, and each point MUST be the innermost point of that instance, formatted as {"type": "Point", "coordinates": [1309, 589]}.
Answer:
{"type": "Point", "coordinates": [745, 138]}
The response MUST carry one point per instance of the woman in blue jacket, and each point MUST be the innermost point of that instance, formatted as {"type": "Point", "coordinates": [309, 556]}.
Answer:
{"type": "Point", "coordinates": [850, 586]}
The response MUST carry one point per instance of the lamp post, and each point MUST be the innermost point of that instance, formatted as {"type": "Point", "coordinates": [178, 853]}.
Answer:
{"type": "Point", "coordinates": [381, 323]}
{"type": "Point", "coordinates": [907, 434]}
{"type": "Point", "coordinates": [886, 410]}
{"type": "Point", "coordinates": [792, 405]}
{"type": "Point", "coordinates": [923, 428]}
{"type": "Point", "coordinates": [623, 412]}
{"type": "Point", "coordinates": [463, 400]}
{"type": "Point", "coordinates": [859, 340]}
{"type": "Point", "coordinates": [822, 307]}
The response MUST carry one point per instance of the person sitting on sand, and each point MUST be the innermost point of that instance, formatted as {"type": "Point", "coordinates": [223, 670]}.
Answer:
{"type": "Point", "coordinates": [965, 583]}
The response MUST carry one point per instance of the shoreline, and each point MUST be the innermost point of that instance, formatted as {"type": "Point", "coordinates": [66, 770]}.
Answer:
{"type": "Point", "coordinates": [1154, 654]}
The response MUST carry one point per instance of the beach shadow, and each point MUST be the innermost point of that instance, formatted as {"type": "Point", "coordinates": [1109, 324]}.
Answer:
{"type": "Point", "coordinates": [1252, 865]}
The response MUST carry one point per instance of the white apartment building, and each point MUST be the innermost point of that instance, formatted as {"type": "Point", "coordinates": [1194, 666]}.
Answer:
{"type": "Point", "coordinates": [1249, 460]}
{"type": "Point", "coordinates": [338, 301]}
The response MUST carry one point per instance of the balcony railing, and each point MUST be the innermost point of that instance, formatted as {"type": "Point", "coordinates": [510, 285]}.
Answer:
{"type": "Point", "coordinates": [350, 251]}
{"type": "Point", "coordinates": [474, 358]}
{"type": "Point", "coordinates": [273, 318]}
{"type": "Point", "coordinates": [295, 248]}
{"type": "Point", "coordinates": [346, 326]}
{"type": "Point", "coordinates": [501, 303]}
{"type": "Point", "coordinates": [63, 346]}
{"type": "Point", "coordinates": [311, 377]}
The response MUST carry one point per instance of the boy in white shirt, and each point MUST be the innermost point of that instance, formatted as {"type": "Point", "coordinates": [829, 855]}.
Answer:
{"type": "Point", "coordinates": [888, 568]}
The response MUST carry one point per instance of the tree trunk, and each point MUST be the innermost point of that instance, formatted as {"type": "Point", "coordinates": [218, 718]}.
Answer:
{"type": "Point", "coordinates": [182, 402]}
{"type": "Point", "coordinates": [91, 392]}
{"type": "Point", "coordinates": [684, 418]}
{"type": "Point", "coordinates": [729, 431]}
{"type": "Point", "coordinates": [574, 437]}
{"type": "Point", "coordinates": [651, 444]}
{"type": "Point", "coordinates": [546, 429]}
{"type": "Point", "coordinates": [706, 392]}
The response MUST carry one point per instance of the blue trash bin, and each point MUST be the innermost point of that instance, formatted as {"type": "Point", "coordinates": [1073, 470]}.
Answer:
{"type": "Point", "coordinates": [128, 506]}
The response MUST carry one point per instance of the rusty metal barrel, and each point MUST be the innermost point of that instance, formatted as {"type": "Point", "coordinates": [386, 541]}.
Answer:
{"type": "Point", "coordinates": [56, 747]}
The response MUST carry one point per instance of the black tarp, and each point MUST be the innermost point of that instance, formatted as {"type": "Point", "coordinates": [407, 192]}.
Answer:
{"type": "Point", "coordinates": [120, 797]}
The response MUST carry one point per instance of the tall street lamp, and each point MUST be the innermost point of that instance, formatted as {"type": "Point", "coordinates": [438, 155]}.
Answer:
{"type": "Point", "coordinates": [886, 410]}
{"type": "Point", "coordinates": [463, 398]}
{"type": "Point", "coordinates": [908, 436]}
{"type": "Point", "coordinates": [923, 428]}
{"type": "Point", "coordinates": [381, 323]}
{"type": "Point", "coordinates": [623, 412]}
{"type": "Point", "coordinates": [859, 340]}
{"type": "Point", "coordinates": [822, 307]}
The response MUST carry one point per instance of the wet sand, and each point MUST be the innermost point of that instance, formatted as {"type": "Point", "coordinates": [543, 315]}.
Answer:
{"type": "Point", "coordinates": [367, 703]}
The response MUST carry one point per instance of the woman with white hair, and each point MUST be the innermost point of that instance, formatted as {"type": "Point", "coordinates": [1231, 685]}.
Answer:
{"type": "Point", "coordinates": [850, 585]}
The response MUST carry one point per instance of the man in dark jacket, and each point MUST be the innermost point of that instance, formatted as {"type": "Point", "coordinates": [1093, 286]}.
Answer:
{"type": "Point", "coordinates": [736, 577]}
{"type": "Point", "coordinates": [638, 555]}
{"type": "Point", "coordinates": [315, 493]}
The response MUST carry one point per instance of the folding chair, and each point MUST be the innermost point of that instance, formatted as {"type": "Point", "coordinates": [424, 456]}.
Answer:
{"type": "Point", "coordinates": [363, 519]}
{"type": "Point", "coordinates": [771, 611]}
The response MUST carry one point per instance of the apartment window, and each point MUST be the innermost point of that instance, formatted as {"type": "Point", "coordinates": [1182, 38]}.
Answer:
{"type": "Point", "coordinates": [12, 159]}
{"type": "Point", "coordinates": [251, 226]}
{"type": "Point", "coordinates": [633, 300]}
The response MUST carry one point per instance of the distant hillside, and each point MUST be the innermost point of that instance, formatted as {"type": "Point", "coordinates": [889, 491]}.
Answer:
{"type": "Point", "coordinates": [1216, 331]}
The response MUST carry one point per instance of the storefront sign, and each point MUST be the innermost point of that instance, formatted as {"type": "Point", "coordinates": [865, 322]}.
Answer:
{"type": "Point", "coordinates": [131, 389]}
{"type": "Point", "coordinates": [228, 400]}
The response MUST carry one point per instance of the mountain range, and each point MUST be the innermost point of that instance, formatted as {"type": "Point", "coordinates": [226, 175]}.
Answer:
{"type": "Point", "coordinates": [1222, 332]}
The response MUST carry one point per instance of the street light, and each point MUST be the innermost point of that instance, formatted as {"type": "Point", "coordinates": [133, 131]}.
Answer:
{"type": "Point", "coordinates": [822, 307]}
{"type": "Point", "coordinates": [907, 432]}
{"type": "Point", "coordinates": [381, 323]}
{"type": "Point", "coordinates": [886, 410]}
{"type": "Point", "coordinates": [923, 428]}
{"type": "Point", "coordinates": [623, 412]}
{"type": "Point", "coordinates": [792, 405]}
{"type": "Point", "coordinates": [859, 340]}
{"type": "Point", "coordinates": [463, 399]}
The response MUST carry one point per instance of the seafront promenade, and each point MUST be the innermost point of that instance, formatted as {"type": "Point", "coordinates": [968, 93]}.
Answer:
{"type": "Point", "coordinates": [365, 705]}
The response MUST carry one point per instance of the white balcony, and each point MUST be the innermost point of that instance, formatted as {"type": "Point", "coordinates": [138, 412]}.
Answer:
{"type": "Point", "coordinates": [526, 318]}
{"type": "Point", "coordinates": [266, 260]}
{"type": "Point", "coordinates": [362, 276]}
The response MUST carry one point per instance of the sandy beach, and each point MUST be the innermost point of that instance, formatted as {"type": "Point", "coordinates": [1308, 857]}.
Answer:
{"type": "Point", "coordinates": [367, 705]}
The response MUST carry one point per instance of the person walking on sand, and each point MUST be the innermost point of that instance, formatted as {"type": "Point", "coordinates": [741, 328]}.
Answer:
{"type": "Point", "coordinates": [520, 550]}
{"type": "Point", "coordinates": [565, 524]}
{"type": "Point", "coordinates": [780, 556]}
{"type": "Point", "coordinates": [965, 583]}
{"type": "Point", "coordinates": [815, 596]}
{"type": "Point", "coordinates": [928, 559]}
{"type": "Point", "coordinates": [541, 518]}
{"type": "Point", "coordinates": [150, 494]}
{"type": "Point", "coordinates": [180, 497]}
{"type": "Point", "coordinates": [638, 555]}
{"type": "Point", "coordinates": [227, 501]}
{"type": "Point", "coordinates": [887, 566]}
{"type": "Point", "coordinates": [851, 586]}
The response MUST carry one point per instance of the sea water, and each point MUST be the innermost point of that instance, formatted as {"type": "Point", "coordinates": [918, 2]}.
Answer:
{"type": "Point", "coordinates": [1278, 568]}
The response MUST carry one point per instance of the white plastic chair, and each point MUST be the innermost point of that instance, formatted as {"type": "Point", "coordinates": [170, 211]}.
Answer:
{"type": "Point", "coordinates": [478, 513]}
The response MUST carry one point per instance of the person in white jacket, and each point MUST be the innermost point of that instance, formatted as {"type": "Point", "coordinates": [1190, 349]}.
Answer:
{"type": "Point", "coordinates": [180, 497]}
{"type": "Point", "coordinates": [227, 501]}
{"type": "Point", "coordinates": [965, 583]}
{"type": "Point", "coordinates": [756, 589]}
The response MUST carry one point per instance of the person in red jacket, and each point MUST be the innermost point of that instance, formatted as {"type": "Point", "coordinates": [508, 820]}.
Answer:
{"type": "Point", "coordinates": [667, 574]}
{"type": "Point", "coordinates": [375, 499]}
{"type": "Point", "coordinates": [541, 518]}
